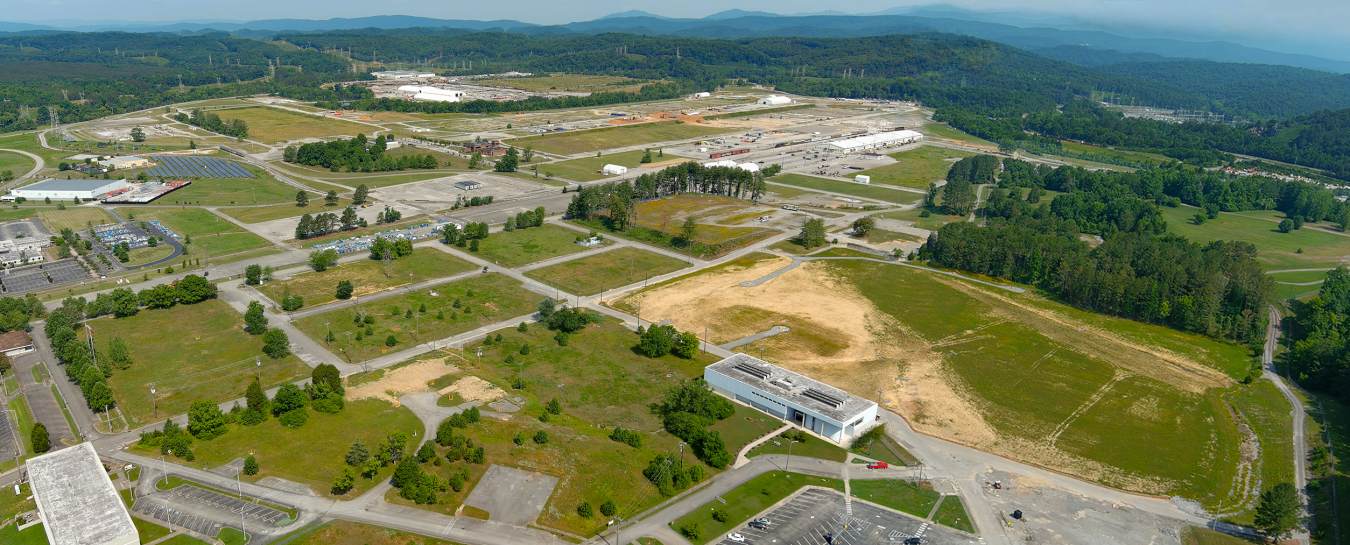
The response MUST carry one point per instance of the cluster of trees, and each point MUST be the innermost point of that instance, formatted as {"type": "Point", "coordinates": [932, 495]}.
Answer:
{"type": "Point", "coordinates": [212, 122]}
{"type": "Point", "coordinates": [1217, 289]}
{"type": "Point", "coordinates": [1321, 357]}
{"type": "Point", "coordinates": [390, 451]}
{"type": "Point", "coordinates": [384, 249]}
{"type": "Point", "coordinates": [83, 367]}
{"type": "Point", "coordinates": [669, 474]}
{"type": "Point", "coordinates": [659, 340]}
{"type": "Point", "coordinates": [526, 219]}
{"type": "Point", "coordinates": [356, 155]}
{"type": "Point", "coordinates": [618, 200]}
{"type": "Point", "coordinates": [324, 223]}
{"type": "Point", "coordinates": [388, 215]}
{"type": "Point", "coordinates": [686, 412]}
{"type": "Point", "coordinates": [656, 91]}
{"type": "Point", "coordinates": [565, 320]}
{"type": "Point", "coordinates": [632, 438]}
{"type": "Point", "coordinates": [411, 480]}
{"type": "Point", "coordinates": [461, 202]}
{"type": "Point", "coordinates": [466, 237]}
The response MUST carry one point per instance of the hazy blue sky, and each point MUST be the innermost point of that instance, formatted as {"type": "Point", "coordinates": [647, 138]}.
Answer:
{"type": "Point", "coordinates": [1301, 24]}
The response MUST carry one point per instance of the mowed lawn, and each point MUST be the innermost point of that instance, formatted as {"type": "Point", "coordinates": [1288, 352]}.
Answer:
{"type": "Point", "coordinates": [190, 353]}
{"type": "Point", "coordinates": [942, 130]}
{"type": "Point", "coordinates": [747, 425]}
{"type": "Point", "coordinates": [1056, 386]}
{"type": "Point", "coordinates": [608, 270]}
{"type": "Point", "coordinates": [897, 494]}
{"type": "Point", "coordinates": [483, 300]}
{"type": "Point", "coordinates": [588, 168]}
{"type": "Point", "coordinates": [210, 233]}
{"type": "Point", "coordinates": [312, 454]}
{"type": "Point", "coordinates": [231, 191]}
{"type": "Point", "coordinates": [270, 125]}
{"type": "Point", "coordinates": [573, 142]}
{"type": "Point", "coordinates": [866, 191]}
{"type": "Point", "coordinates": [73, 218]}
{"type": "Point", "coordinates": [917, 167]}
{"type": "Point", "coordinates": [668, 215]}
{"type": "Point", "coordinates": [15, 163]}
{"type": "Point", "coordinates": [525, 246]}
{"type": "Point", "coordinates": [341, 532]}
{"type": "Point", "coordinates": [1275, 250]}
{"type": "Point", "coordinates": [367, 276]}
{"type": "Point", "coordinates": [257, 214]}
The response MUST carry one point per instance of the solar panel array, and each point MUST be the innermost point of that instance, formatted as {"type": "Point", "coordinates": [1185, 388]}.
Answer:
{"type": "Point", "coordinates": [171, 166]}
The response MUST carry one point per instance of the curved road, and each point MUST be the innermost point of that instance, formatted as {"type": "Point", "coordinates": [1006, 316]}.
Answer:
{"type": "Point", "coordinates": [1296, 405]}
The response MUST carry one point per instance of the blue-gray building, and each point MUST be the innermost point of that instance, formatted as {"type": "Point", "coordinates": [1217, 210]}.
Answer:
{"type": "Point", "coordinates": [825, 410]}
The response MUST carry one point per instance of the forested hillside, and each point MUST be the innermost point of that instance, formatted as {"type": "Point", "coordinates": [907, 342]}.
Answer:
{"type": "Point", "coordinates": [1247, 90]}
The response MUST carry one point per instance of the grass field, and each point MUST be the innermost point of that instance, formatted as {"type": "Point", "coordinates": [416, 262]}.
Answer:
{"type": "Point", "coordinates": [73, 218]}
{"type": "Point", "coordinates": [601, 383]}
{"type": "Point", "coordinates": [184, 221]}
{"type": "Point", "coordinates": [934, 220]}
{"type": "Point", "coordinates": [33, 535]}
{"type": "Point", "coordinates": [495, 297]}
{"type": "Point", "coordinates": [183, 539]}
{"type": "Point", "coordinates": [587, 169]}
{"type": "Point", "coordinates": [209, 357]}
{"type": "Point", "coordinates": [897, 494]}
{"type": "Point", "coordinates": [12, 504]}
{"type": "Point", "coordinates": [147, 254]}
{"type": "Point", "coordinates": [942, 130]}
{"type": "Point", "coordinates": [149, 531]}
{"type": "Point", "coordinates": [814, 447]}
{"type": "Point", "coordinates": [525, 246]}
{"type": "Point", "coordinates": [271, 125]}
{"type": "Point", "coordinates": [866, 191]}
{"type": "Point", "coordinates": [311, 454]}
{"type": "Point", "coordinates": [917, 167]}
{"type": "Point", "coordinates": [341, 532]}
{"type": "Point", "coordinates": [744, 501]}
{"type": "Point", "coordinates": [1297, 278]}
{"type": "Point", "coordinates": [256, 214]}
{"type": "Point", "coordinates": [1141, 157]}
{"type": "Point", "coordinates": [232, 191]}
{"type": "Point", "coordinates": [569, 142]}
{"type": "Point", "coordinates": [1267, 412]}
{"type": "Point", "coordinates": [668, 214]}
{"type": "Point", "coordinates": [745, 426]}
{"type": "Point", "coordinates": [589, 275]}
{"type": "Point", "coordinates": [367, 276]}
{"type": "Point", "coordinates": [952, 513]}
{"type": "Point", "coordinates": [15, 163]}
{"type": "Point", "coordinates": [1275, 250]}
{"type": "Point", "coordinates": [360, 232]}
{"type": "Point", "coordinates": [228, 243]}
{"type": "Point", "coordinates": [1195, 535]}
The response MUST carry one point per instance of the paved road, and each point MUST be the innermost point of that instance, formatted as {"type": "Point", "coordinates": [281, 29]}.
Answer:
{"type": "Point", "coordinates": [40, 399]}
{"type": "Point", "coordinates": [1269, 372]}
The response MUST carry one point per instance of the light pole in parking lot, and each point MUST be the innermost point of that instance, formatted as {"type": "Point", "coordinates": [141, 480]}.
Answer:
{"type": "Point", "coordinates": [789, 458]}
{"type": "Point", "coordinates": [168, 515]}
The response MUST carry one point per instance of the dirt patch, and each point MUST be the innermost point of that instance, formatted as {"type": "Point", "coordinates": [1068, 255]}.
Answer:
{"type": "Point", "coordinates": [412, 379]}
{"type": "Point", "coordinates": [474, 390]}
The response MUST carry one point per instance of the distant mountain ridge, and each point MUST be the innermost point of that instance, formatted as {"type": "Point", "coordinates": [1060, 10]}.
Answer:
{"type": "Point", "coordinates": [1095, 45]}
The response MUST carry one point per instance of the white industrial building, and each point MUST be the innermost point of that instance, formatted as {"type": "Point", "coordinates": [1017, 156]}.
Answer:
{"type": "Point", "coordinates": [76, 499]}
{"type": "Point", "coordinates": [878, 140]}
{"type": "Point", "coordinates": [774, 100]}
{"type": "Point", "coordinates": [67, 190]}
{"type": "Point", "coordinates": [432, 94]}
{"type": "Point", "coordinates": [825, 410]}
{"type": "Point", "coordinates": [702, 94]}
{"type": "Point", "coordinates": [614, 170]}
{"type": "Point", "coordinates": [728, 163]}
{"type": "Point", "coordinates": [402, 74]}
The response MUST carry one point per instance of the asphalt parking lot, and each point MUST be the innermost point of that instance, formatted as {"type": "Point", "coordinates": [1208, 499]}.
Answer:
{"type": "Point", "coordinates": [204, 511]}
{"type": "Point", "coordinates": [815, 513]}
{"type": "Point", "coordinates": [41, 276]}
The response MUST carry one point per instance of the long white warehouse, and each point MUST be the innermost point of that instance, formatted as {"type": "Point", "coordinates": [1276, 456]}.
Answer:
{"type": "Point", "coordinates": [881, 139]}
{"type": "Point", "coordinates": [76, 499]}
{"type": "Point", "coordinates": [825, 410]}
{"type": "Point", "coordinates": [67, 190]}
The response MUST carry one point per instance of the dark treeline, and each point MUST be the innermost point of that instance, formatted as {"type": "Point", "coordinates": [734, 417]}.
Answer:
{"type": "Point", "coordinates": [1320, 357]}
{"type": "Point", "coordinates": [658, 91]}
{"type": "Point", "coordinates": [212, 122]}
{"type": "Point", "coordinates": [618, 200]}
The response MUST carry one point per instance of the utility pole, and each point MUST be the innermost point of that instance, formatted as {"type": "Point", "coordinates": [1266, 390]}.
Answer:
{"type": "Point", "coordinates": [169, 515]}
{"type": "Point", "coordinates": [257, 360]}
{"type": "Point", "coordinates": [153, 401]}
{"type": "Point", "coordinates": [330, 333]}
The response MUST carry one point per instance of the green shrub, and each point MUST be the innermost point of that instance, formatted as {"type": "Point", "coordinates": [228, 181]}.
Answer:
{"type": "Point", "coordinates": [294, 418]}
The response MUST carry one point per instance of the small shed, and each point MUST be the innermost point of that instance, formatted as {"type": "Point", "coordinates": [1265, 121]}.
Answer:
{"type": "Point", "coordinates": [468, 185]}
{"type": "Point", "coordinates": [863, 179]}
{"type": "Point", "coordinates": [614, 170]}
{"type": "Point", "coordinates": [15, 343]}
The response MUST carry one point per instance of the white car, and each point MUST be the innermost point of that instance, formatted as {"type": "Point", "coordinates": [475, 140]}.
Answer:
{"type": "Point", "coordinates": [738, 538]}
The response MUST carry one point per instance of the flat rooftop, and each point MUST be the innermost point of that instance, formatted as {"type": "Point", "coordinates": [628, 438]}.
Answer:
{"type": "Point", "coordinates": [799, 389]}
{"type": "Point", "coordinates": [53, 184]}
{"type": "Point", "coordinates": [77, 498]}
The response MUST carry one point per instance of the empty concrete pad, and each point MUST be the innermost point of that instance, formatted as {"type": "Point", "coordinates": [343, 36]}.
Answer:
{"type": "Point", "coordinates": [512, 496]}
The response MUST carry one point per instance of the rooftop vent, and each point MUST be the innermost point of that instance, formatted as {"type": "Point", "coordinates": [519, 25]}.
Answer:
{"type": "Point", "coordinates": [826, 398]}
{"type": "Point", "coordinates": [752, 370]}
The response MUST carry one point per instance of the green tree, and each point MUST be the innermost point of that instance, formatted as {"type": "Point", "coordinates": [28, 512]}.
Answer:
{"type": "Point", "coordinates": [320, 260]}
{"type": "Point", "coordinates": [958, 197]}
{"type": "Point", "coordinates": [100, 397]}
{"type": "Point", "coordinates": [250, 465]}
{"type": "Point", "coordinates": [119, 354]}
{"type": "Point", "coordinates": [41, 442]}
{"type": "Point", "coordinates": [646, 157]}
{"type": "Point", "coordinates": [813, 233]}
{"type": "Point", "coordinates": [585, 510]}
{"type": "Point", "coordinates": [554, 407]}
{"type": "Point", "coordinates": [344, 481]}
{"type": "Point", "coordinates": [1285, 225]}
{"type": "Point", "coordinates": [253, 275]}
{"type": "Point", "coordinates": [357, 454]}
{"type": "Point", "coordinates": [331, 199]}
{"type": "Point", "coordinates": [344, 289]}
{"type": "Point", "coordinates": [689, 231]}
{"type": "Point", "coordinates": [540, 437]}
{"type": "Point", "coordinates": [528, 155]}
{"type": "Point", "coordinates": [193, 289]}
{"type": "Point", "coordinates": [256, 398]}
{"type": "Point", "coordinates": [360, 194]}
{"type": "Point", "coordinates": [205, 421]}
{"type": "Point", "coordinates": [255, 321]}
{"type": "Point", "coordinates": [1277, 514]}
{"type": "Point", "coordinates": [508, 162]}
{"type": "Point", "coordinates": [137, 135]}
{"type": "Point", "coordinates": [276, 344]}
{"type": "Point", "coordinates": [863, 225]}
{"type": "Point", "coordinates": [608, 508]}
{"type": "Point", "coordinates": [301, 198]}
{"type": "Point", "coordinates": [391, 341]}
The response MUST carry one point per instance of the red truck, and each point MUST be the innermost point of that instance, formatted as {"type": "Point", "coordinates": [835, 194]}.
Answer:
{"type": "Point", "coordinates": [878, 465]}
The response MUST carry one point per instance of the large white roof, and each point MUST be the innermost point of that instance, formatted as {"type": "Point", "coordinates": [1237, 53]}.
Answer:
{"type": "Point", "coordinates": [878, 139]}
{"type": "Point", "coordinates": [78, 502]}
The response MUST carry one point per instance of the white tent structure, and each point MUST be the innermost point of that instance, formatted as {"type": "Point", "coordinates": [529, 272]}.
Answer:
{"type": "Point", "coordinates": [612, 170]}
{"type": "Point", "coordinates": [881, 139]}
{"type": "Point", "coordinates": [748, 167]}
{"type": "Point", "coordinates": [774, 100]}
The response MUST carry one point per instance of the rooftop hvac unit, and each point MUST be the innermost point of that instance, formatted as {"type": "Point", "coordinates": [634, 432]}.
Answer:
{"type": "Point", "coordinates": [824, 397]}
{"type": "Point", "coordinates": [752, 370]}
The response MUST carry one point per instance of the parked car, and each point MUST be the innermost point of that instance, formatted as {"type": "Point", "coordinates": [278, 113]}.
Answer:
{"type": "Point", "coordinates": [738, 538]}
{"type": "Point", "coordinates": [878, 465]}
{"type": "Point", "coordinates": [762, 519]}
{"type": "Point", "coordinates": [914, 541]}
{"type": "Point", "coordinates": [758, 525]}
